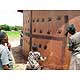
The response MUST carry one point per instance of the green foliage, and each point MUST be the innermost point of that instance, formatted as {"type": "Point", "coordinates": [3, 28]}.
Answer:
{"type": "Point", "coordinates": [5, 27]}
{"type": "Point", "coordinates": [16, 29]}
{"type": "Point", "coordinates": [13, 34]}
{"type": "Point", "coordinates": [9, 28]}
{"type": "Point", "coordinates": [12, 28]}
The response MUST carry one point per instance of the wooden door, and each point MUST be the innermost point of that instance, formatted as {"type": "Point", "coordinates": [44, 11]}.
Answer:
{"type": "Point", "coordinates": [48, 34]}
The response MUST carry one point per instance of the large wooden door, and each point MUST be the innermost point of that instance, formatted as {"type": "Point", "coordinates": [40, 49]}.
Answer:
{"type": "Point", "coordinates": [47, 32]}
{"type": "Point", "coordinates": [46, 29]}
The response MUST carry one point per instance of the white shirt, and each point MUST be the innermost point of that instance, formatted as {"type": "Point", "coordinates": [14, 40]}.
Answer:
{"type": "Point", "coordinates": [75, 40]}
{"type": "Point", "coordinates": [33, 57]}
{"type": "Point", "coordinates": [5, 55]}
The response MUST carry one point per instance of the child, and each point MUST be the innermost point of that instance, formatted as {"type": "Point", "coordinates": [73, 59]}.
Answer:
{"type": "Point", "coordinates": [33, 58]}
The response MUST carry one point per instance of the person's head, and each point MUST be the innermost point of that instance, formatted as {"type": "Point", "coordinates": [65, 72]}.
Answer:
{"type": "Point", "coordinates": [6, 37]}
{"type": "Point", "coordinates": [0, 29]}
{"type": "Point", "coordinates": [2, 37]}
{"type": "Point", "coordinates": [35, 48]}
{"type": "Point", "coordinates": [71, 29]}
{"type": "Point", "coordinates": [21, 31]}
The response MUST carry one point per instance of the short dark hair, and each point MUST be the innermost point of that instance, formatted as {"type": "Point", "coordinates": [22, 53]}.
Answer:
{"type": "Point", "coordinates": [35, 48]}
{"type": "Point", "coordinates": [71, 29]}
{"type": "Point", "coordinates": [2, 36]}
{"type": "Point", "coordinates": [0, 28]}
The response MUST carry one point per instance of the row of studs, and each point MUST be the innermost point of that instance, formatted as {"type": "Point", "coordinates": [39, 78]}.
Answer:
{"type": "Point", "coordinates": [40, 46]}
{"type": "Point", "coordinates": [42, 20]}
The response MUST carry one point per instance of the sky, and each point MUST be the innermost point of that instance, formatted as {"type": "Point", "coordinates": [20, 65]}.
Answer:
{"type": "Point", "coordinates": [10, 16]}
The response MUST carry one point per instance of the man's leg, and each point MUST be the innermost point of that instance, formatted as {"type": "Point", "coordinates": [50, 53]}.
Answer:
{"type": "Point", "coordinates": [37, 66]}
{"type": "Point", "coordinates": [78, 61]}
{"type": "Point", "coordinates": [73, 63]}
{"type": "Point", "coordinates": [28, 66]}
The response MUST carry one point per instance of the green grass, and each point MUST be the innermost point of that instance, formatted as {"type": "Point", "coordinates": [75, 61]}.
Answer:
{"type": "Point", "coordinates": [13, 34]}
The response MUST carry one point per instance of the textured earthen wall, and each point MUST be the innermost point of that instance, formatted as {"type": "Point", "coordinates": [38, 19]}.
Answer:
{"type": "Point", "coordinates": [48, 30]}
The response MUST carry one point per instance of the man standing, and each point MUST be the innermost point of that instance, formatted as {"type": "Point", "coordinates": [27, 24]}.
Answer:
{"type": "Point", "coordinates": [21, 38]}
{"type": "Point", "coordinates": [6, 62]}
{"type": "Point", "coordinates": [74, 47]}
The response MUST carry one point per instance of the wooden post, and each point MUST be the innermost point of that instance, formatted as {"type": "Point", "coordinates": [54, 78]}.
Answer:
{"type": "Point", "coordinates": [31, 30]}
{"type": "Point", "coordinates": [65, 39]}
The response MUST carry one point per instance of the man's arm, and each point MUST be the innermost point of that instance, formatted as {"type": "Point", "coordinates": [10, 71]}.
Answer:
{"type": "Point", "coordinates": [6, 67]}
{"type": "Point", "coordinates": [42, 58]}
{"type": "Point", "coordinates": [70, 45]}
{"type": "Point", "coordinates": [9, 46]}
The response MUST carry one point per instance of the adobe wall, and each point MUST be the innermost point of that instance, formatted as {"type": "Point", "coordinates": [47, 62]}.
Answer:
{"type": "Point", "coordinates": [48, 28]}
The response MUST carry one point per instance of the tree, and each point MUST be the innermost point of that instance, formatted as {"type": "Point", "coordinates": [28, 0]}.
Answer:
{"type": "Point", "coordinates": [9, 28]}
{"type": "Point", "coordinates": [16, 29]}
{"type": "Point", "coordinates": [5, 27]}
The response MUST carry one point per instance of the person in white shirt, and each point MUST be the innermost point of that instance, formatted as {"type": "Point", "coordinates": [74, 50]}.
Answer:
{"type": "Point", "coordinates": [6, 61]}
{"type": "Point", "coordinates": [74, 47]}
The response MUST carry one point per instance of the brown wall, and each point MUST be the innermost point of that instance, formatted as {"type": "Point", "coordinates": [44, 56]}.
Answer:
{"type": "Point", "coordinates": [48, 27]}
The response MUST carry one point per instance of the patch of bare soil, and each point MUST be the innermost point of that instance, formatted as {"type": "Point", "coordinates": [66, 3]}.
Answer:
{"type": "Point", "coordinates": [18, 56]}
{"type": "Point", "coordinates": [20, 60]}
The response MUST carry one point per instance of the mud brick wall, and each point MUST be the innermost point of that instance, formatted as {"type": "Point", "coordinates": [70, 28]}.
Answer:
{"type": "Point", "coordinates": [48, 29]}
{"type": "Point", "coordinates": [26, 39]}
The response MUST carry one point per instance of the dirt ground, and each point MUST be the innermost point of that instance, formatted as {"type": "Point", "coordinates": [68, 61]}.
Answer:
{"type": "Point", "coordinates": [20, 60]}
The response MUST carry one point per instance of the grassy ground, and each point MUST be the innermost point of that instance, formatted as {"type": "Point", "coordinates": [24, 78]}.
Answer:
{"type": "Point", "coordinates": [13, 34]}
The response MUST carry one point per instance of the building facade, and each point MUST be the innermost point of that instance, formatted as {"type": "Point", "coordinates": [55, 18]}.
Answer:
{"type": "Point", "coordinates": [46, 29]}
